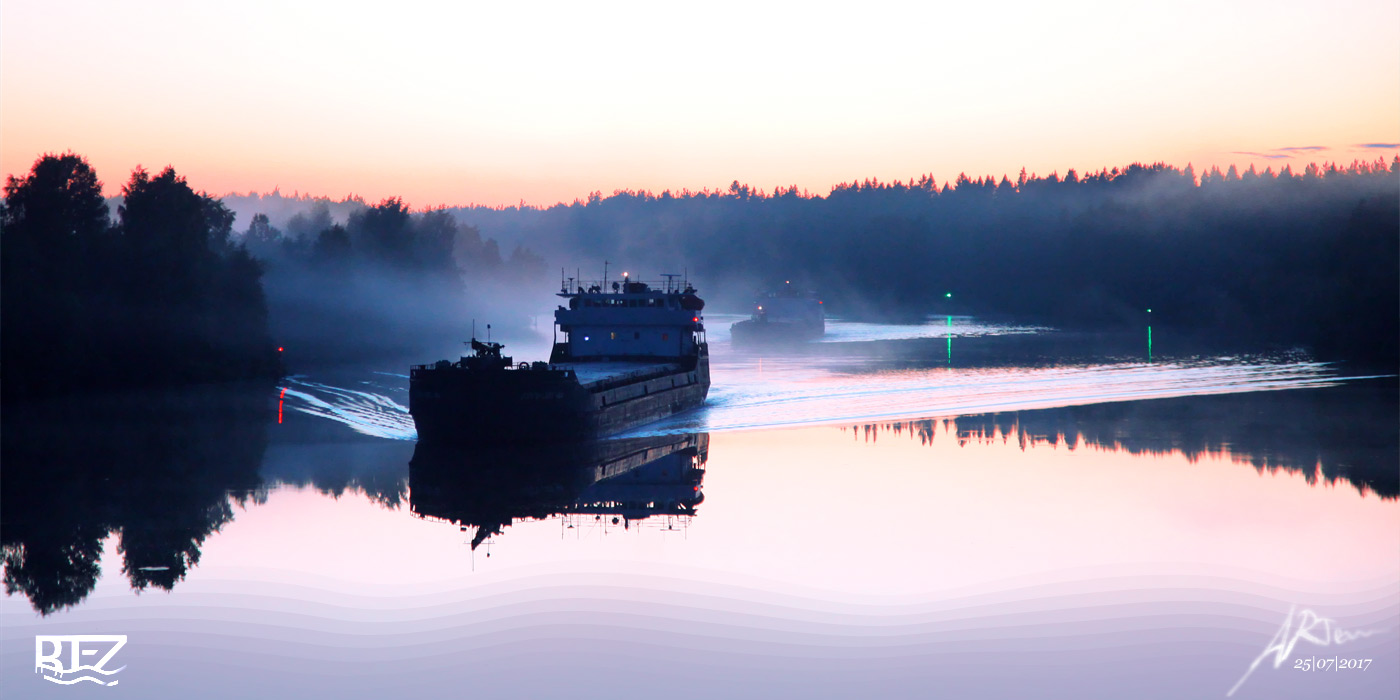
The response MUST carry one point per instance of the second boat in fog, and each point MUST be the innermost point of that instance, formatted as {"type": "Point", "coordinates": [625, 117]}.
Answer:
{"type": "Point", "coordinates": [784, 315]}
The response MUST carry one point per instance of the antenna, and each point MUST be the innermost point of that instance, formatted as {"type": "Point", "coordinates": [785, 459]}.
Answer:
{"type": "Point", "coordinates": [562, 287]}
{"type": "Point", "coordinates": [473, 329]}
{"type": "Point", "coordinates": [488, 332]}
{"type": "Point", "coordinates": [605, 275]}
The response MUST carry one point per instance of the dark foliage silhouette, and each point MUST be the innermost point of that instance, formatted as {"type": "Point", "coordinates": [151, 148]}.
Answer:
{"type": "Point", "coordinates": [387, 284]}
{"type": "Point", "coordinates": [160, 298]}
{"type": "Point", "coordinates": [1306, 259]}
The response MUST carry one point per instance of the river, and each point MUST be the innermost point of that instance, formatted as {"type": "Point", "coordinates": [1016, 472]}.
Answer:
{"type": "Point", "coordinates": [947, 509]}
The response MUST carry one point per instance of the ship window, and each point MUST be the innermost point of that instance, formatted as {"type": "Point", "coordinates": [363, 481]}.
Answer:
{"type": "Point", "coordinates": [612, 336]}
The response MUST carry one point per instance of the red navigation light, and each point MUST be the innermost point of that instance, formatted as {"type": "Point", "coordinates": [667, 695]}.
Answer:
{"type": "Point", "coordinates": [279, 349]}
{"type": "Point", "coordinates": [695, 320]}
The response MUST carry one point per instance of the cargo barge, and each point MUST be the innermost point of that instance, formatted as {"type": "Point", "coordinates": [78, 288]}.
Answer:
{"type": "Point", "coordinates": [633, 353]}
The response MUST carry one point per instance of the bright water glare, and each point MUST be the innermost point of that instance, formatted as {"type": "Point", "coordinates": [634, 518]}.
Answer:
{"type": "Point", "coordinates": [862, 372]}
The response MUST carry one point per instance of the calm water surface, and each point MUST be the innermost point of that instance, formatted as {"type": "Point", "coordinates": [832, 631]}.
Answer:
{"type": "Point", "coordinates": [1013, 514]}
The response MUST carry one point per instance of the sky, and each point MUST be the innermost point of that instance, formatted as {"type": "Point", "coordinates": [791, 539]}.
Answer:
{"type": "Point", "coordinates": [541, 102]}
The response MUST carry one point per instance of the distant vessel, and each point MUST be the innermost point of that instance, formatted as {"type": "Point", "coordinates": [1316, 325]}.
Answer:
{"type": "Point", "coordinates": [783, 315]}
{"type": "Point", "coordinates": [633, 354]}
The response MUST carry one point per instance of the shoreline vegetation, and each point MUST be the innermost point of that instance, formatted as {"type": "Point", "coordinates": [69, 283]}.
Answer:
{"type": "Point", "coordinates": [160, 297]}
{"type": "Point", "coordinates": [168, 293]}
{"type": "Point", "coordinates": [1307, 259]}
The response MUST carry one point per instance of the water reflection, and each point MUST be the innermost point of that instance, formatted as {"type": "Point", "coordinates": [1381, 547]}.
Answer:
{"type": "Point", "coordinates": [375, 469]}
{"type": "Point", "coordinates": [1344, 433]}
{"type": "Point", "coordinates": [621, 481]}
{"type": "Point", "coordinates": [155, 468]}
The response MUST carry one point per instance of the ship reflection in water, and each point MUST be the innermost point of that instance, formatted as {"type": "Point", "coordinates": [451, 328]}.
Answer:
{"type": "Point", "coordinates": [613, 481]}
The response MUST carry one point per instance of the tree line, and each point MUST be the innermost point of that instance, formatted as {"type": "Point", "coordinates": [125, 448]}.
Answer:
{"type": "Point", "coordinates": [161, 296]}
{"type": "Point", "coordinates": [388, 233]}
{"type": "Point", "coordinates": [1306, 258]}
{"type": "Point", "coordinates": [169, 293]}
{"type": "Point", "coordinates": [383, 284]}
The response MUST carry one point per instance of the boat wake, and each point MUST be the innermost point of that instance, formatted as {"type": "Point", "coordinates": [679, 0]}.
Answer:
{"type": "Point", "coordinates": [371, 409]}
{"type": "Point", "coordinates": [754, 396]}
{"type": "Point", "coordinates": [837, 383]}
{"type": "Point", "coordinates": [774, 394]}
{"type": "Point", "coordinates": [838, 331]}
{"type": "Point", "coordinates": [843, 331]}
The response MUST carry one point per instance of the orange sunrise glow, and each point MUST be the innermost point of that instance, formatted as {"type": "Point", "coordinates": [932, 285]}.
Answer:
{"type": "Point", "coordinates": [447, 104]}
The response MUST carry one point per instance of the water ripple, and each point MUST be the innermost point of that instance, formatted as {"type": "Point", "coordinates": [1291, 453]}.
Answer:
{"type": "Point", "coordinates": [747, 397]}
{"type": "Point", "coordinates": [364, 411]}
{"type": "Point", "coordinates": [749, 394]}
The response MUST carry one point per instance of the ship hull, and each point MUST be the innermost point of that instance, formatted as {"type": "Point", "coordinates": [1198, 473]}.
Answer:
{"type": "Point", "coordinates": [453, 405]}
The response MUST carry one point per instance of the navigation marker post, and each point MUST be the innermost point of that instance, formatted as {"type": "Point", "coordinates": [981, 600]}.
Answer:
{"type": "Point", "coordinates": [949, 295]}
